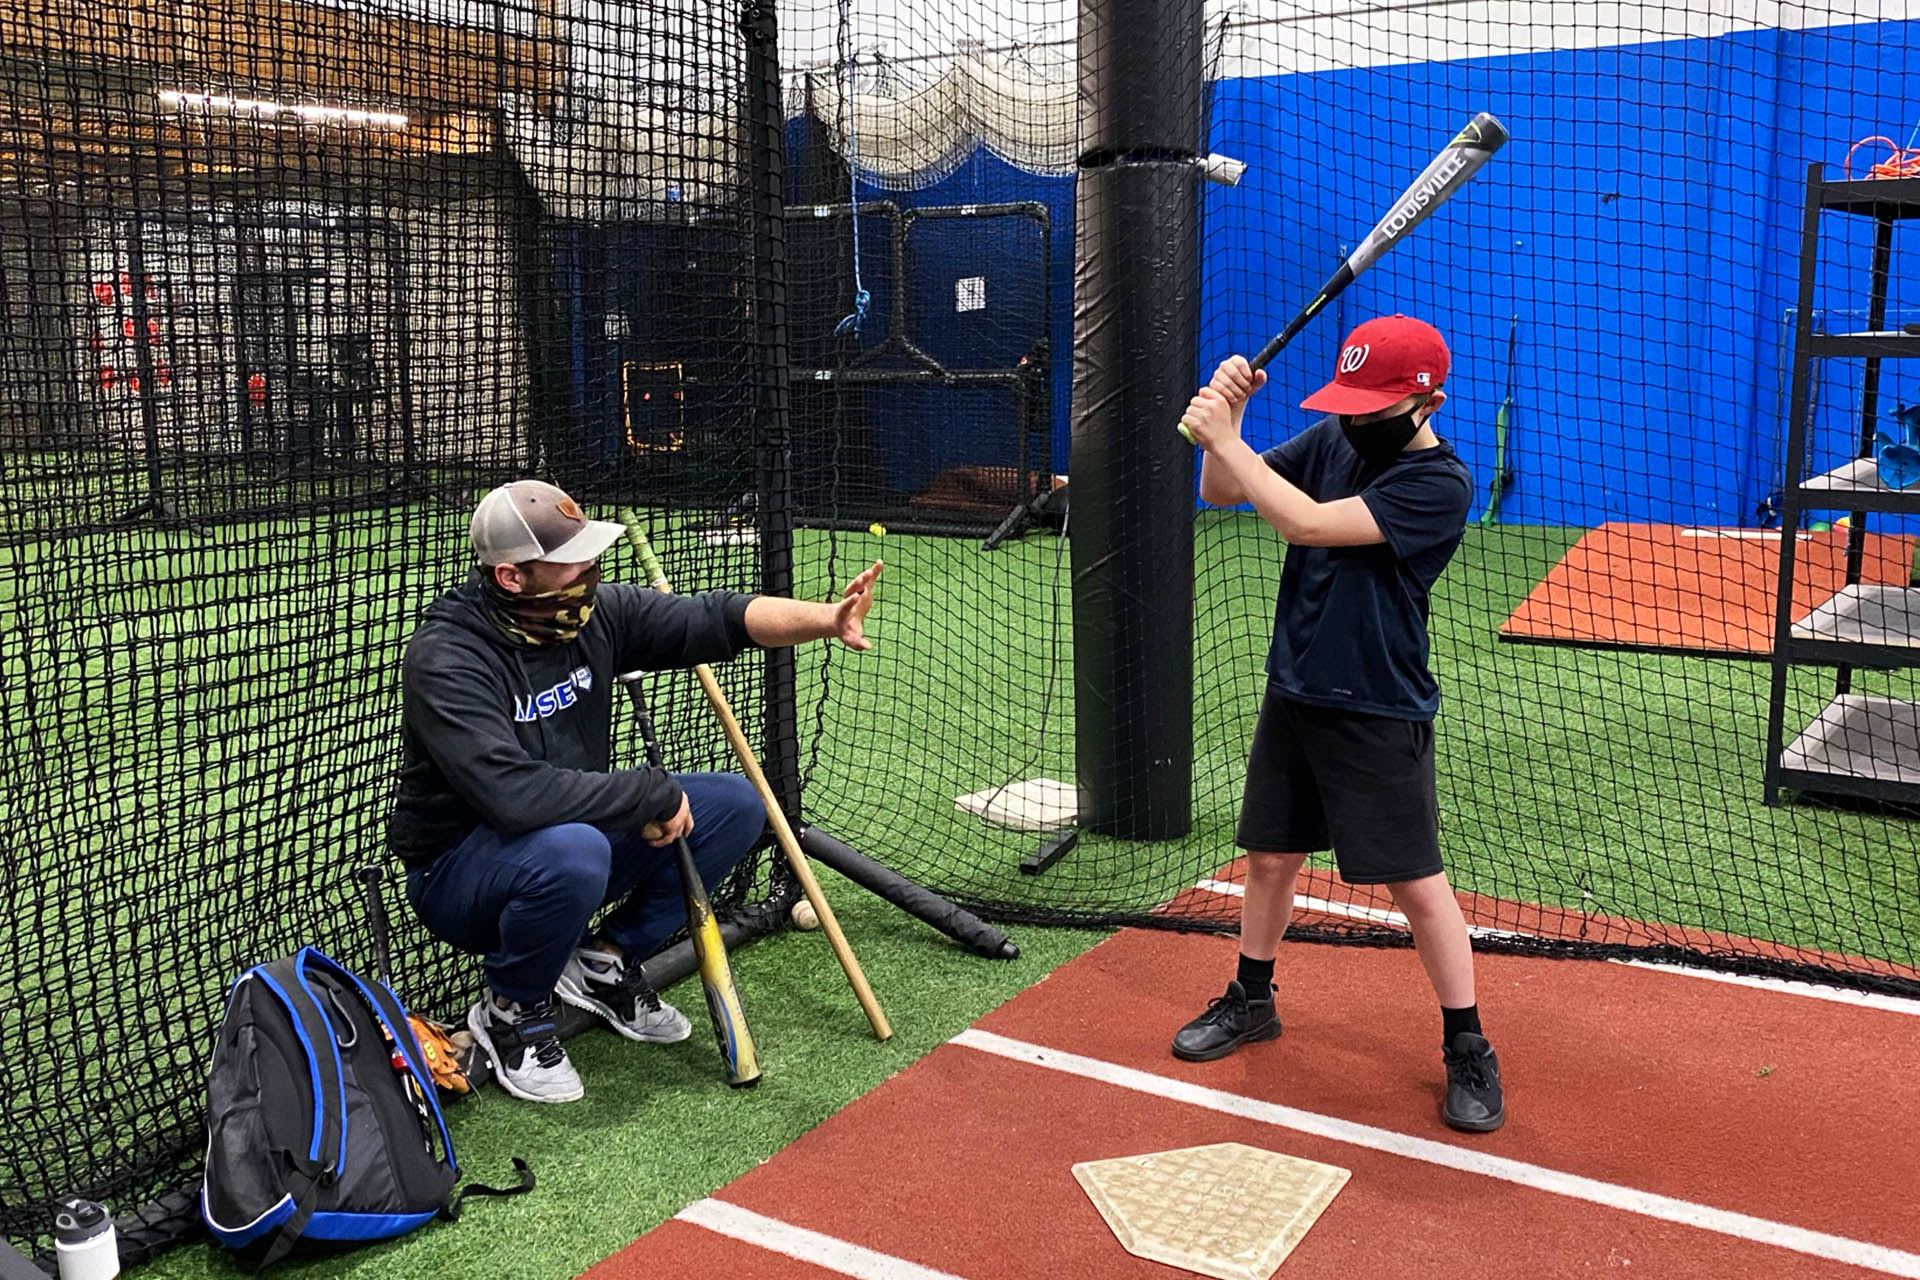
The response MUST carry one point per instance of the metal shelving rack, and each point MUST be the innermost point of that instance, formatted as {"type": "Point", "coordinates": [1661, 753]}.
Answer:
{"type": "Point", "coordinates": [1859, 745]}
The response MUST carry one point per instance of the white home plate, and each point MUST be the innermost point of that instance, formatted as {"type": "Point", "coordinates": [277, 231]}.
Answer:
{"type": "Point", "coordinates": [1226, 1210]}
{"type": "Point", "coordinates": [1038, 804]}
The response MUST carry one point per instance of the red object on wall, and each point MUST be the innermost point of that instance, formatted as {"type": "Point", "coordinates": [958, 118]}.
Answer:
{"type": "Point", "coordinates": [257, 390]}
{"type": "Point", "coordinates": [107, 376]}
{"type": "Point", "coordinates": [103, 293]}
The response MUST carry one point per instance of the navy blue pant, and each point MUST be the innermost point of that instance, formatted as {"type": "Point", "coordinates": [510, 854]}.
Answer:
{"type": "Point", "coordinates": [525, 902]}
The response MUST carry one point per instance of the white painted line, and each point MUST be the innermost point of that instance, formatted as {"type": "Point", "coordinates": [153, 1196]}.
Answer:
{"type": "Point", "coordinates": [834, 1254]}
{"type": "Point", "coordinates": [1351, 910]}
{"type": "Point", "coordinates": [1610, 1195]}
{"type": "Point", "coordinates": [1788, 986]}
{"type": "Point", "coordinates": [1785, 986]}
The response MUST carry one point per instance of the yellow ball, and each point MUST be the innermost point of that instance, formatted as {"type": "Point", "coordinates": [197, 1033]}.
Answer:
{"type": "Point", "coordinates": [1842, 522]}
{"type": "Point", "coordinates": [877, 529]}
{"type": "Point", "coordinates": [803, 915]}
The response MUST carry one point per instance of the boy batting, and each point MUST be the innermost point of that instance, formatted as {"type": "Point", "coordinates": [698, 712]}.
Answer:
{"type": "Point", "coordinates": [1372, 505]}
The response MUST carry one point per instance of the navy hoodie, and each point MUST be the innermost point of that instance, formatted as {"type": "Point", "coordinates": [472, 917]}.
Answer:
{"type": "Point", "coordinates": [517, 736]}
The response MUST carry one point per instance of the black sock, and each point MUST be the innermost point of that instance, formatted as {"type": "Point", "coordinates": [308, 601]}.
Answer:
{"type": "Point", "coordinates": [1454, 1021]}
{"type": "Point", "coordinates": [1256, 978]}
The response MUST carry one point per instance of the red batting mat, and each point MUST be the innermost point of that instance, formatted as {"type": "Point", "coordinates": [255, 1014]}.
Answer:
{"type": "Point", "coordinates": [1767, 1116]}
{"type": "Point", "coordinates": [1685, 589]}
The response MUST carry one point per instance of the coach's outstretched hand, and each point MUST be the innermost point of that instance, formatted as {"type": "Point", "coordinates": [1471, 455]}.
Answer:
{"type": "Point", "coordinates": [1237, 380]}
{"type": "Point", "coordinates": [855, 602]}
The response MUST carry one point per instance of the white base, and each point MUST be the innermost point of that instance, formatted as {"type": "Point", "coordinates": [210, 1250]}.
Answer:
{"type": "Point", "coordinates": [731, 536]}
{"type": "Point", "coordinates": [1038, 804]}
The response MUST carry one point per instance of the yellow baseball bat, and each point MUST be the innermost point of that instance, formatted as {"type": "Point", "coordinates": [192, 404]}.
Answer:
{"type": "Point", "coordinates": [716, 974]}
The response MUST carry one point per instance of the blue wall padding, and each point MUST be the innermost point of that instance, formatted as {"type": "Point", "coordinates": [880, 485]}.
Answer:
{"type": "Point", "coordinates": [1643, 225]}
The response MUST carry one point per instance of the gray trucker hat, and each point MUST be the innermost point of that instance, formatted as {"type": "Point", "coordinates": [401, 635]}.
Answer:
{"type": "Point", "coordinates": [533, 520]}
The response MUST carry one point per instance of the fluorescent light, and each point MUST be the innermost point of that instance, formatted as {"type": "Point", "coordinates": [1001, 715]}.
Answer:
{"type": "Point", "coordinates": [306, 112]}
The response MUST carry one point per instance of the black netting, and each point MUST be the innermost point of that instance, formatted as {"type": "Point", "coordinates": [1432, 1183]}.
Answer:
{"type": "Point", "coordinates": [289, 283]}
{"type": "Point", "coordinates": [288, 286]}
{"type": "Point", "coordinates": [1619, 289]}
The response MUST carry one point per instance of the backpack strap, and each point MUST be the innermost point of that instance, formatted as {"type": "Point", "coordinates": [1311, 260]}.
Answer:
{"type": "Point", "coordinates": [387, 1008]}
{"type": "Point", "coordinates": [290, 1231]}
{"type": "Point", "coordinates": [321, 1160]}
{"type": "Point", "coordinates": [452, 1212]}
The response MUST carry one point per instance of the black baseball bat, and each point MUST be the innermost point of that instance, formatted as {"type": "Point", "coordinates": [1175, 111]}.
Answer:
{"type": "Point", "coordinates": [1445, 174]}
{"type": "Point", "coordinates": [371, 877]}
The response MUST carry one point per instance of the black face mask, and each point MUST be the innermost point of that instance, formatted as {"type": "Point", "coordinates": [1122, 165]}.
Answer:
{"type": "Point", "coordinates": [1379, 443]}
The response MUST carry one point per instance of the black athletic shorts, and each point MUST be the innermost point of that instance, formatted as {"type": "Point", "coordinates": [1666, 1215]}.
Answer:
{"type": "Point", "coordinates": [1320, 777]}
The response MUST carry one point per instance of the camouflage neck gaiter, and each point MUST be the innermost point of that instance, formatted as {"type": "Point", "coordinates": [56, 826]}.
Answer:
{"type": "Point", "coordinates": [549, 617]}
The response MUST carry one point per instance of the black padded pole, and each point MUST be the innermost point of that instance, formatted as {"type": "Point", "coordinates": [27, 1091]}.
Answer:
{"type": "Point", "coordinates": [1136, 319]}
{"type": "Point", "coordinates": [766, 153]}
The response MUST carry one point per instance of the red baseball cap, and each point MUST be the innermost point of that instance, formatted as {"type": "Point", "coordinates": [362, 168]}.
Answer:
{"type": "Point", "coordinates": [1383, 362]}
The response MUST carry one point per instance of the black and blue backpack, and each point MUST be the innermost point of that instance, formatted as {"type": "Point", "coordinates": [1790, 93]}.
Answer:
{"type": "Point", "coordinates": [323, 1127]}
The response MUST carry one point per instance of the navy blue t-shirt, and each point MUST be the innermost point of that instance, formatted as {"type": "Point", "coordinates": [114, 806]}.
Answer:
{"type": "Point", "coordinates": [1350, 624]}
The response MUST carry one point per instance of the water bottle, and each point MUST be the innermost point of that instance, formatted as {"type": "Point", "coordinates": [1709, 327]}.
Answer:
{"type": "Point", "coordinates": [83, 1241]}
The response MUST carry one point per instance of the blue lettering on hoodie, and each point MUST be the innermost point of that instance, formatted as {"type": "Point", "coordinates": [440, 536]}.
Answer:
{"type": "Point", "coordinates": [547, 702]}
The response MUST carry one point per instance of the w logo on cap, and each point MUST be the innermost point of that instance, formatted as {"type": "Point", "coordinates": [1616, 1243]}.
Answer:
{"type": "Point", "coordinates": [1351, 358]}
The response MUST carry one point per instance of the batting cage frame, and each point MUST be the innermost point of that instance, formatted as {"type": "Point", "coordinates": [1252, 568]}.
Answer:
{"type": "Point", "coordinates": [289, 284]}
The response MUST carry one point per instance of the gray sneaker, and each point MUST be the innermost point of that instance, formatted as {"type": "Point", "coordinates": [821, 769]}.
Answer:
{"type": "Point", "coordinates": [523, 1044]}
{"type": "Point", "coordinates": [607, 985]}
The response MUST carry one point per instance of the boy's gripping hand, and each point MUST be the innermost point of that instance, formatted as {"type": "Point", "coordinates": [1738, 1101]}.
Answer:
{"type": "Point", "coordinates": [1210, 420]}
{"type": "Point", "coordinates": [1234, 382]}
{"type": "Point", "coordinates": [1237, 380]}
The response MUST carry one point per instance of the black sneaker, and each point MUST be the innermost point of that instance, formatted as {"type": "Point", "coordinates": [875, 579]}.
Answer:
{"type": "Point", "coordinates": [1230, 1021]}
{"type": "Point", "coordinates": [1474, 1102]}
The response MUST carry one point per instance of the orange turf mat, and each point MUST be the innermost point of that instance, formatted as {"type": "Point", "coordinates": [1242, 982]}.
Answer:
{"type": "Point", "coordinates": [1686, 589]}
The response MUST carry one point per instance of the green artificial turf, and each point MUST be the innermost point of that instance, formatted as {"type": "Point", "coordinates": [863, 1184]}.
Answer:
{"type": "Point", "coordinates": [1620, 783]}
